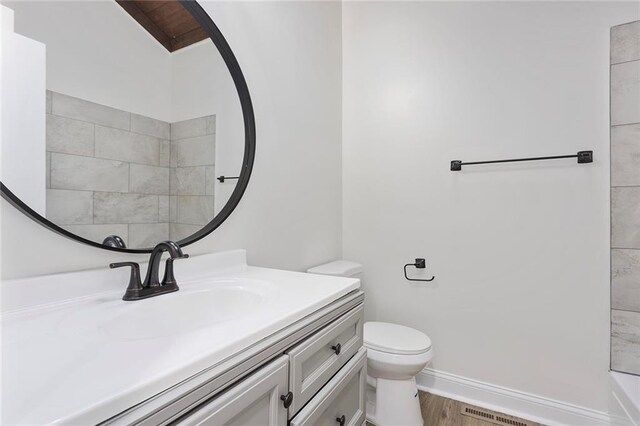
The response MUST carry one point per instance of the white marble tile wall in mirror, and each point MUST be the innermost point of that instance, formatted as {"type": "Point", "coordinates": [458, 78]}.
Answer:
{"type": "Point", "coordinates": [135, 132]}
{"type": "Point", "coordinates": [114, 172]}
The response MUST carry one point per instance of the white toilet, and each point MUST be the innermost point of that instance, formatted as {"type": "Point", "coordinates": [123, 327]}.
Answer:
{"type": "Point", "coordinates": [395, 355]}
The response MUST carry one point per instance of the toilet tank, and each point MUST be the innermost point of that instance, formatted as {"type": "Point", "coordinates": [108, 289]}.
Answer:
{"type": "Point", "coordinates": [338, 268]}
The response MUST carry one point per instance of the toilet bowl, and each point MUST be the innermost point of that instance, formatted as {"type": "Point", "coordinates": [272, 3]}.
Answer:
{"type": "Point", "coordinates": [395, 355]}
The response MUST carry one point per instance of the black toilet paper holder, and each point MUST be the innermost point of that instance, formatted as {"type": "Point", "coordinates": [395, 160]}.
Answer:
{"type": "Point", "coordinates": [419, 264]}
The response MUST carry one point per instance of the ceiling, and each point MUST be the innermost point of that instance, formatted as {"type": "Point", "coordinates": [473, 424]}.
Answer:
{"type": "Point", "coordinates": [167, 21]}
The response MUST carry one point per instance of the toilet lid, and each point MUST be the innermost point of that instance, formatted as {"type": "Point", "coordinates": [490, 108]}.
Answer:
{"type": "Point", "coordinates": [395, 339]}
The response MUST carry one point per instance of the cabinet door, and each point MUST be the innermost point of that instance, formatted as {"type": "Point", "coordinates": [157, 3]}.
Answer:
{"type": "Point", "coordinates": [315, 360]}
{"type": "Point", "coordinates": [255, 400]}
{"type": "Point", "coordinates": [342, 400]}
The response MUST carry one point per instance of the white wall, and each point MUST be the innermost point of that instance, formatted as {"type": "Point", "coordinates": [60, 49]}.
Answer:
{"type": "Point", "coordinates": [97, 52]}
{"type": "Point", "coordinates": [520, 251]}
{"type": "Point", "coordinates": [22, 118]}
{"type": "Point", "coordinates": [290, 216]}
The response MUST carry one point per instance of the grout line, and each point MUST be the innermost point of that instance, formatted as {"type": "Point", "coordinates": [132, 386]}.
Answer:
{"type": "Point", "coordinates": [624, 62]}
{"type": "Point", "coordinates": [111, 127]}
{"type": "Point", "coordinates": [94, 204]}
{"type": "Point", "coordinates": [76, 190]}
{"type": "Point", "coordinates": [634, 123]}
{"type": "Point", "coordinates": [625, 248]}
{"type": "Point", "coordinates": [112, 159]}
{"type": "Point", "coordinates": [49, 169]}
{"type": "Point", "coordinates": [625, 310]}
{"type": "Point", "coordinates": [89, 122]}
{"type": "Point", "coordinates": [93, 207]}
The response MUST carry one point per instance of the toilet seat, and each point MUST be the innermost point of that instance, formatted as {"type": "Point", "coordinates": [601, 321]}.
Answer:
{"type": "Point", "coordinates": [395, 339]}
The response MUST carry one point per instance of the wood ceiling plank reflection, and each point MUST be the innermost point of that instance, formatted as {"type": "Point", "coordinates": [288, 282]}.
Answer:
{"type": "Point", "coordinates": [167, 21]}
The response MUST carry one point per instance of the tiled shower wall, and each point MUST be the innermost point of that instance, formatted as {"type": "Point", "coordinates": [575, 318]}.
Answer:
{"type": "Point", "coordinates": [192, 175]}
{"type": "Point", "coordinates": [115, 172]}
{"type": "Point", "coordinates": [625, 198]}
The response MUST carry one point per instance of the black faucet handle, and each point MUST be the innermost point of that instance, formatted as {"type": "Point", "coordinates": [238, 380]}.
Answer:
{"type": "Point", "coordinates": [135, 284]}
{"type": "Point", "coordinates": [169, 277]}
{"type": "Point", "coordinates": [122, 264]}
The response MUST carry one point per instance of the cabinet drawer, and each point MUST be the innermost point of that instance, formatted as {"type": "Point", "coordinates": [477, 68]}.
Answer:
{"type": "Point", "coordinates": [255, 400]}
{"type": "Point", "coordinates": [344, 395]}
{"type": "Point", "coordinates": [314, 361]}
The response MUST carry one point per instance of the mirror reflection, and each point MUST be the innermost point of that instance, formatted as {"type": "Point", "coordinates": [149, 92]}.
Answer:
{"type": "Point", "coordinates": [140, 118]}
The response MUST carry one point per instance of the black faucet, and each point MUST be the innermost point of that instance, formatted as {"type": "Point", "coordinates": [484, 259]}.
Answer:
{"type": "Point", "coordinates": [114, 241]}
{"type": "Point", "coordinates": [152, 286]}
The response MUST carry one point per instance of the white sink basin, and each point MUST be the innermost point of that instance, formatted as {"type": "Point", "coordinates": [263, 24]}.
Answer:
{"type": "Point", "coordinates": [73, 352]}
{"type": "Point", "coordinates": [175, 313]}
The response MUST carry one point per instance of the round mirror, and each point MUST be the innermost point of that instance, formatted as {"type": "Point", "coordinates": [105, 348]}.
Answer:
{"type": "Point", "coordinates": [125, 123]}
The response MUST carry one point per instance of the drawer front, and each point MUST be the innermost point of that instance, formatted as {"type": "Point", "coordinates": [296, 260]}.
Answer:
{"type": "Point", "coordinates": [314, 361]}
{"type": "Point", "coordinates": [344, 395]}
{"type": "Point", "coordinates": [255, 400]}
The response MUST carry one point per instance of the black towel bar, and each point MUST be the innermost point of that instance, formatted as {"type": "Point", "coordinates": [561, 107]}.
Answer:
{"type": "Point", "coordinates": [582, 156]}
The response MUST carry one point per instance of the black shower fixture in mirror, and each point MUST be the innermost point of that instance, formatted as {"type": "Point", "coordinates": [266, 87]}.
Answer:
{"type": "Point", "coordinates": [139, 107]}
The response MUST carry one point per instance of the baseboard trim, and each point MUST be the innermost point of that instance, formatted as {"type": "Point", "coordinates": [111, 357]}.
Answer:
{"type": "Point", "coordinates": [512, 402]}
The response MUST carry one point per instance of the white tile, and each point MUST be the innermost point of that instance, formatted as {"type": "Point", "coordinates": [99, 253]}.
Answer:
{"type": "Point", "coordinates": [210, 178]}
{"type": "Point", "coordinates": [147, 235]}
{"type": "Point", "coordinates": [149, 179]}
{"type": "Point", "coordinates": [173, 208]}
{"type": "Point", "coordinates": [150, 126]}
{"type": "Point", "coordinates": [194, 127]}
{"type": "Point", "coordinates": [625, 280]}
{"type": "Point", "coordinates": [199, 151]}
{"type": "Point", "coordinates": [86, 173]}
{"type": "Point", "coordinates": [188, 181]}
{"type": "Point", "coordinates": [625, 93]}
{"type": "Point", "coordinates": [69, 207]}
{"type": "Point", "coordinates": [163, 208]}
{"type": "Point", "coordinates": [625, 217]}
{"type": "Point", "coordinates": [126, 146]}
{"type": "Point", "coordinates": [180, 231]}
{"type": "Point", "coordinates": [48, 170]}
{"type": "Point", "coordinates": [98, 233]}
{"type": "Point", "coordinates": [165, 153]}
{"type": "Point", "coordinates": [625, 155]}
{"type": "Point", "coordinates": [625, 42]}
{"type": "Point", "coordinates": [69, 136]}
{"type": "Point", "coordinates": [109, 207]}
{"type": "Point", "coordinates": [195, 210]}
{"type": "Point", "coordinates": [49, 102]}
{"type": "Point", "coordinates": [173, 155]}
{"type": "Point", "coordinates": [625, 341]}
{"type": "Point", "coordinates": [71, 107]}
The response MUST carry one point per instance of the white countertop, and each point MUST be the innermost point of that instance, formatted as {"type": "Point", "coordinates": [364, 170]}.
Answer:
{"type": "Point", "coordinates": [58, 366]}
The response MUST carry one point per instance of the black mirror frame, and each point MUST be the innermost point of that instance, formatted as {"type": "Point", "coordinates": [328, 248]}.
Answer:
{"type": "Point", "coordinates": [249, 145]}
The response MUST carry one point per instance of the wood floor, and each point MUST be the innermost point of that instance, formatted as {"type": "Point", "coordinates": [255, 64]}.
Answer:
{"type": "Point", "coordinates": [440, 411]}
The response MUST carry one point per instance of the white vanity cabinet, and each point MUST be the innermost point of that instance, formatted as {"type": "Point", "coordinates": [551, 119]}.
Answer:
{"type": "Point", "coordinates": [318, 358]}
{"type": "Point", "coordinates": [223, 350]}
{"type": "Point", "coordinates": [254, 401]}
{"type": "Point", "coordinates": [312, 372]}
{"type": "Point", "coordinates": [318, 381]}
{"type": "Point", "coordinates": [341, 402]}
